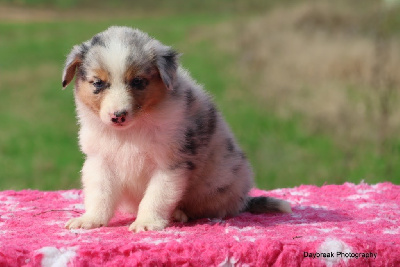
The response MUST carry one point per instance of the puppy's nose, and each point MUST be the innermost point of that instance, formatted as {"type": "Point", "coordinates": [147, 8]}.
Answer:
{"type": "Point", "coordinates": [119, 116]}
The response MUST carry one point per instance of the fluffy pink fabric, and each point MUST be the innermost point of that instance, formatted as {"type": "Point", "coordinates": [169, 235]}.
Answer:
{"type": "Point", "coordinates": [360, 221]}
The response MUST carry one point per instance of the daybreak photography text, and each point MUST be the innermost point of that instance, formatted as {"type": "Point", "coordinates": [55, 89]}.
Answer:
{"type": "Point", "coordinates": [339, 254]}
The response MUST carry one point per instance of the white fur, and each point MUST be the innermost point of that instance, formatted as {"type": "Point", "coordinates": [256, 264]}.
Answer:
{"type": "Point", "coordinates": [128, 167]}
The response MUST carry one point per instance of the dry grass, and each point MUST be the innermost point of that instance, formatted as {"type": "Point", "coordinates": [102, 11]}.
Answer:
{"type": "Point", "coordinates": [323, 60]}
{"type": "Point", "coordinates": [26, 14]}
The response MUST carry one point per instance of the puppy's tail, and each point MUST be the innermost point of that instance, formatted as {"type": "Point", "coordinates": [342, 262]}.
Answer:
{"type": "Point", "coordinates": [259, 205]}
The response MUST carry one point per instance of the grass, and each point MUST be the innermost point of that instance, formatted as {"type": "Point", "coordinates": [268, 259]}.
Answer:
{"type": "Point", "coordinates": [38, 140]}
{"type": "Point", "coordinates": [287, 145]}
{"type": "Point", "coordinates": [335, 117]}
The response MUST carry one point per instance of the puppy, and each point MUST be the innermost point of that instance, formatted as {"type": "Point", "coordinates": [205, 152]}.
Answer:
{"type": "Point", "coordinates": [154, 141]}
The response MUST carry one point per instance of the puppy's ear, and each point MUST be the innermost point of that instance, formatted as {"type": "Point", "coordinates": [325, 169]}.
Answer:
{"type": "Point", "coordinates": [74, 59]}
{"type": "Point", "coordinates": [167, 64]}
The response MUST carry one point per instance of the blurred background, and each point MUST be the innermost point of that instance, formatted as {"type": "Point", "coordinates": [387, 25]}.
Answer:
{"type": "Point", "coordinates": [310, 88]}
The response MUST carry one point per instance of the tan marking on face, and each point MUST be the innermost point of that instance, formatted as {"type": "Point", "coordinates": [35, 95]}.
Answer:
{"type": "Point", "coordinates": [131, 73]}
{"type": "Point", "coordinates": [85, 89]}
{"type": "Point", "coordinates": [102, 75]}
{"type": "Point", "coordinates": [152, 95]}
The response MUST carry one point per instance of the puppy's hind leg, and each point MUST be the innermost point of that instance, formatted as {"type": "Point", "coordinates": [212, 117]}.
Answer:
{"type": "Point", "coordinates": [101, 195]}
{"type": "Point", "coordinates": [179, 216]}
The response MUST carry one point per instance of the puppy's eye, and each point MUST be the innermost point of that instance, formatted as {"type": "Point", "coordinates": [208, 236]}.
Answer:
{"type": "Point", "coordinates": [139, 83]}
{"type": "Point", "coordinates": [99, 85]}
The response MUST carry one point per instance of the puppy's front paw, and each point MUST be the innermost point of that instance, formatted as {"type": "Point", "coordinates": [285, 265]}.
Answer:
{"type": "Point", "coordinates": [84, 222]}
{"type": "Point", "coordinates": [148, 225]}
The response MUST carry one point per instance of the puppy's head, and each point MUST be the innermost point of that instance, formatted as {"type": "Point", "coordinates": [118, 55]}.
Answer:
{"type": "Point", "coordinates": [121, 73]}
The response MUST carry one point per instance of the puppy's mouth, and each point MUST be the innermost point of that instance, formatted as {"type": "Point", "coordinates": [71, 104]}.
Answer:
{"type": "Point", "coordinates": [120, 125]}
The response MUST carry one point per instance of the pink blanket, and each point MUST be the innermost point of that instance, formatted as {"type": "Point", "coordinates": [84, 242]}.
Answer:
{"type": "Point", "coordinates": [332, 225]}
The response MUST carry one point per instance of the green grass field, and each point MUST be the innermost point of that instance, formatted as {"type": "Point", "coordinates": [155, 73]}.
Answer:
{"type": "Point", "coordinates": [38, 131]}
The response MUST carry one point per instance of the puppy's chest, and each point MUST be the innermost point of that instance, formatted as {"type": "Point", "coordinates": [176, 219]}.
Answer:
{"type": "Point", "coordinates": [126, 155]}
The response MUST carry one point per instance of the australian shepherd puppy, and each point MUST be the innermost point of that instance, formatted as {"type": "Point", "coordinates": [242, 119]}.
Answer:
{"type": "Point", "coordinates": [154, 141]}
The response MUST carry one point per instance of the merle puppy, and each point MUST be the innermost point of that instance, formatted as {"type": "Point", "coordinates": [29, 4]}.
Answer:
{"type": "Point", "coordinates": [154, 141]}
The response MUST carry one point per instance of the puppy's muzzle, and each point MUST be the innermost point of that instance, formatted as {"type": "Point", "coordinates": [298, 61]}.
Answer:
{"type": "Point", "coordinates": [119, 117]}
